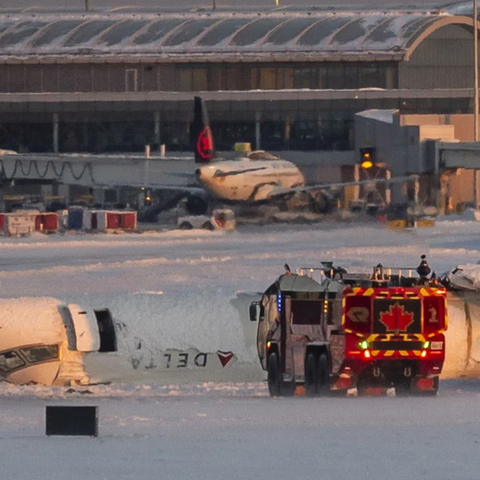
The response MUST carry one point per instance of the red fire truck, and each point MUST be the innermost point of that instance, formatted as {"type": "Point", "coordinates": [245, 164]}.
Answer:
{"type": "Point", "coordinates": [343, 331]}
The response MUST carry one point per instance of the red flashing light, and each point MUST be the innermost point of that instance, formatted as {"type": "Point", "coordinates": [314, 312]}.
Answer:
{"type": "Point", "coordinates": [367, 354]}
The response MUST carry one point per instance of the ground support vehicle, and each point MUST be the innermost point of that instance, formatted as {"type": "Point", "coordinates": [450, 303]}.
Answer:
{"type": "Point", "coordinates": [346, 330]}
{"type": "Point", "coordinates": [220, 219]}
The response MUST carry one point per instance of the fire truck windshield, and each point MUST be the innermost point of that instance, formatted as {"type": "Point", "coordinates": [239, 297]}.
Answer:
{"type": "Point", "coordinates": [306, 312]}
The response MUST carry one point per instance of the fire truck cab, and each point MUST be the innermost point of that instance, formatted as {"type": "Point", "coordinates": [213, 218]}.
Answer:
{"type": "Point", "coordinates": [343, 331]}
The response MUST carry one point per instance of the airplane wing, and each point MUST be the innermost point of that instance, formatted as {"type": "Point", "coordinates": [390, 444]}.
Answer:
{"type": "Point", "coordinates": [331, 186]}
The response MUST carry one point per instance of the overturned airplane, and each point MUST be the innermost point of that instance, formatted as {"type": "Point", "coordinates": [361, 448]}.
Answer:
{"type": "Point", "coordinates": [46, 341]}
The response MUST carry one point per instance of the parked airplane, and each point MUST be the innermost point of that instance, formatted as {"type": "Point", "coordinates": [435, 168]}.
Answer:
{"type": "Point", "coordinates": [256, 177]}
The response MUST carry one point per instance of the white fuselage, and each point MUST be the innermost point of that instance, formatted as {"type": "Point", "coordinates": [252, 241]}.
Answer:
{"type": "Point", "coordinates": [249, 180]}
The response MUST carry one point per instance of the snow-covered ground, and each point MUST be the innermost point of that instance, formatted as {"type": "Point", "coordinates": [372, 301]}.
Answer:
{"type": "Point", "coordinates": [175, 262]}
{"type": "Point", "coordinates": [219, 430]}
{"type": "Point", "coordinates": [237, 432]}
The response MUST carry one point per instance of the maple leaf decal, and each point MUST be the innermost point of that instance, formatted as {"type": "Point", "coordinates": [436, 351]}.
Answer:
{"type": "Point", "coordinates": [396, 319]}
{"type": "Point", "coordinates": [205, 144]}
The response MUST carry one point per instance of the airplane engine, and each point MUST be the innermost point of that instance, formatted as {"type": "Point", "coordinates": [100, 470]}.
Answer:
{"type": "Point", "coordinates": [321, 202]}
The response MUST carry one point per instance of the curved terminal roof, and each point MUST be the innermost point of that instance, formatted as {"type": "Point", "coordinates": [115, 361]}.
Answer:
{"type": "Point", "coordinates": [218, 35]}
{"type": "Point", "coordinates": [460, 8]}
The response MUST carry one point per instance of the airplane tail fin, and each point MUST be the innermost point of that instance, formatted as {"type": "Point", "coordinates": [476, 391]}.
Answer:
{"type": "Point", "coordinates": [202, 134]}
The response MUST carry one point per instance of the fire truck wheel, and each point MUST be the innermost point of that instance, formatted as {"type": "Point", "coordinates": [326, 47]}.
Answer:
{"type": "Point", "coordinates": [322, 375]}
{"type": "Point", "coordinates": [273, 376]}
{"type": "Point", "coordinates": [311, 386]}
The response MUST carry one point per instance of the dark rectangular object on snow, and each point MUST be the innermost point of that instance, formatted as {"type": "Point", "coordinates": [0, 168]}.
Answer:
{"type": "Point", "coordinates": [72, 421]}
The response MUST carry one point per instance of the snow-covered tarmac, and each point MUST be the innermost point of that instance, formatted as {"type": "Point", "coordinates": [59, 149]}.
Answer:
{"type": "Point", "coordinates": [238, 432]}
{"type": "Point", "coordinates": [217, 431]}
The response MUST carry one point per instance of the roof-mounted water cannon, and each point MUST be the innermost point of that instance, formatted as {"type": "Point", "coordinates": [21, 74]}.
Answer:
{"type": "Point", "coordinates": [423, 269]}
{"type": "Point", "coordinates": [328, 269]}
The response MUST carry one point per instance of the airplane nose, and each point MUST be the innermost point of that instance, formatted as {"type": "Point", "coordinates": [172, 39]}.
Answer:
{"type": "Point", "coordinates": [204, 174]}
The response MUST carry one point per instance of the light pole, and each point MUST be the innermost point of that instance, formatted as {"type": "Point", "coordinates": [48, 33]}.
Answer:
{"type": "Point", "coordinates": [475, 66]}
{"type": "Point", "coordinates": [475, 94]}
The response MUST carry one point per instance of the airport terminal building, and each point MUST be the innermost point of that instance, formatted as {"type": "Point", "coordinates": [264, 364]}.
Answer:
{"type": "Point", "coordinates": [279, 78]}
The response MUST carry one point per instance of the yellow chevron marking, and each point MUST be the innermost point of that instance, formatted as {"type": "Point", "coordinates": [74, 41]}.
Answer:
{"type": "Point", "coordinates": [424, 292]}
{"type": "Point", "coordinates": [369, 292]}
{"type": "Point", "coordinates": [446, 314]}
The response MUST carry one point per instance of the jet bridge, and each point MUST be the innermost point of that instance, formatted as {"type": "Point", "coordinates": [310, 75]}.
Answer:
{"type": "Point", "coordinates": [99, 170]}
{"type": "Point", "coordinates": [432, 146]}
{"type": "Point", "coordinates": [457, 155]}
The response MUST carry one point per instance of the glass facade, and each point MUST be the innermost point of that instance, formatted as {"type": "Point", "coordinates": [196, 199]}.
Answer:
{"type": "Point", "coordinates": [195, 77]}
{"type": "Point", "coordinates": [304, 125]}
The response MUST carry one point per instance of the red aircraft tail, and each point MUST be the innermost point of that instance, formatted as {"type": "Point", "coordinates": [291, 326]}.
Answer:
{"type": "Point", "coordinates": [202, 134]}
